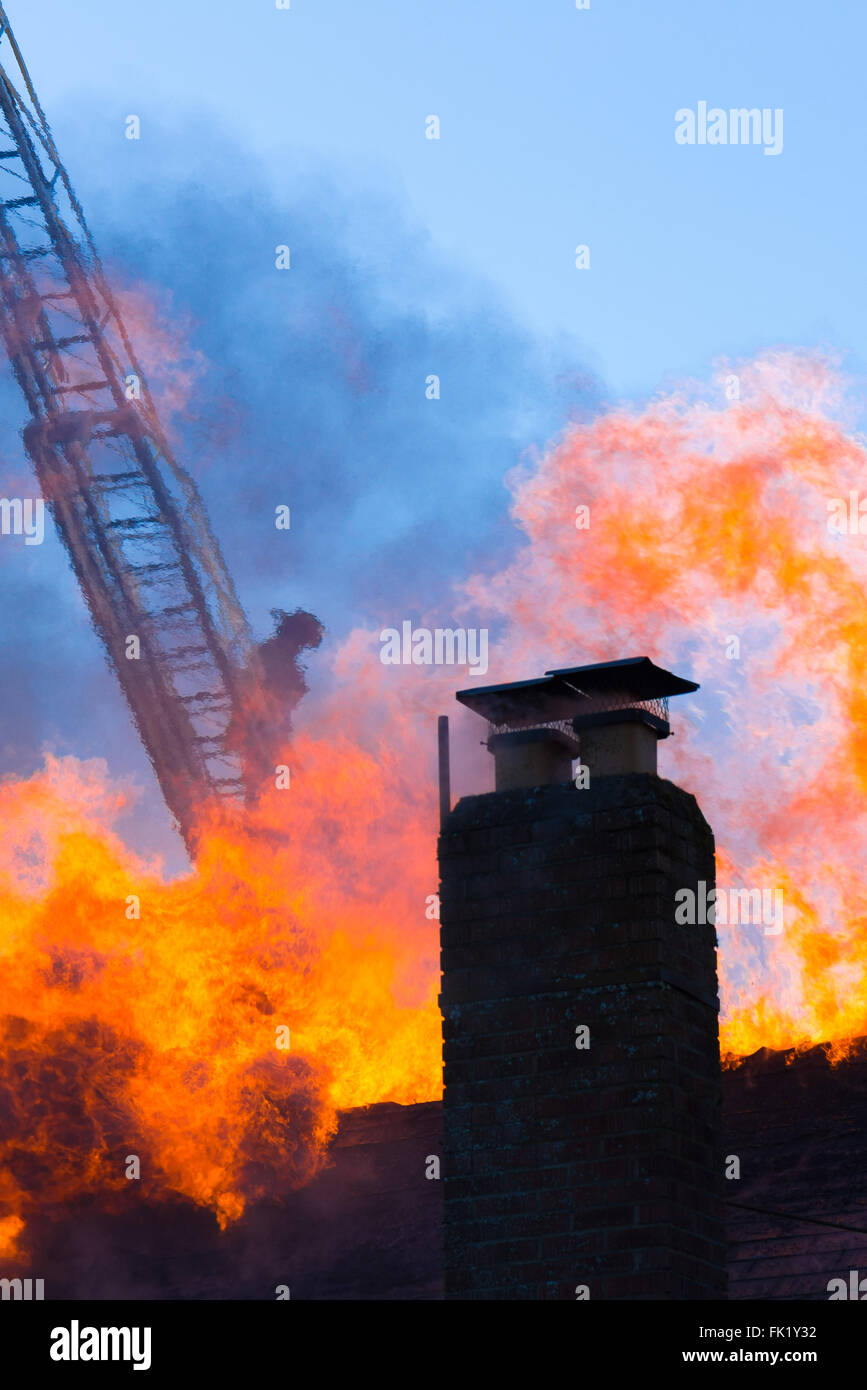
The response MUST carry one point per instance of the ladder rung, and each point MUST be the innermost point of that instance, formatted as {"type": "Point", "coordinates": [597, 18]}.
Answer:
{"type": "Point", "coordinates": [128, 523]}
{"type": "Point", "coordinates": [175, 609]}
{"type": "Point", "coordinates": [28, 255]}
{"type": "Point", "coordinates": [64, 342]}
{"type": "Point", "coordinates": [83, 386]}
{"type": "Point", "coordinates": [188, 651]}
{"type": "Point", "coordinates": [213, 700]}
{"type": "Point", "coordinates": [107, 481]}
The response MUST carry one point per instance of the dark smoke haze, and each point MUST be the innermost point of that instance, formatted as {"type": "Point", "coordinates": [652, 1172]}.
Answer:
{"type": "Point", "coordinates": [305, 388]}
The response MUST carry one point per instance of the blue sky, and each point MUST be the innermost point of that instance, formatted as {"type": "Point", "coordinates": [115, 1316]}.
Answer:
{"type": "Point", "coordinates": [557, 129]}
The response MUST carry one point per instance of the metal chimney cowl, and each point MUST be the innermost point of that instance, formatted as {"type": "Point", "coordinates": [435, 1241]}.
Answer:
{"type": "Point", "coordinates": [609, 715]}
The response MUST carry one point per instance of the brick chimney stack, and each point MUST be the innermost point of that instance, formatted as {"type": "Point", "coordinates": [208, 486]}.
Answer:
{"type": "Point", "coordinates": [582, 1105]}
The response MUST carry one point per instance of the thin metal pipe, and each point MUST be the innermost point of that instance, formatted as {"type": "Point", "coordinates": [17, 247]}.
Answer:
{"type": "Point", "coordinates": [444, 768]}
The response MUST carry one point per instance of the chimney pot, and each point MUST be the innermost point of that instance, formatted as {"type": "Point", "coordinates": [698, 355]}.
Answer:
{"type": "Point", "coordinates": [611, 714]}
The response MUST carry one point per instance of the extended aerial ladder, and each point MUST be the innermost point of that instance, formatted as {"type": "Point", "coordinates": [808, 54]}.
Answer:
{"type": "Point", "coordinates": [129, 515]}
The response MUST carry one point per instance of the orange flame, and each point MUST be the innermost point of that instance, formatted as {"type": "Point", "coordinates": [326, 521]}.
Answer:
{"type": "Point", "coordinates": [156, 1034]}
{"type": "Point", "coordinates": [709, 521]}
{"type": "Point", "coordinates": [150, 1018]}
